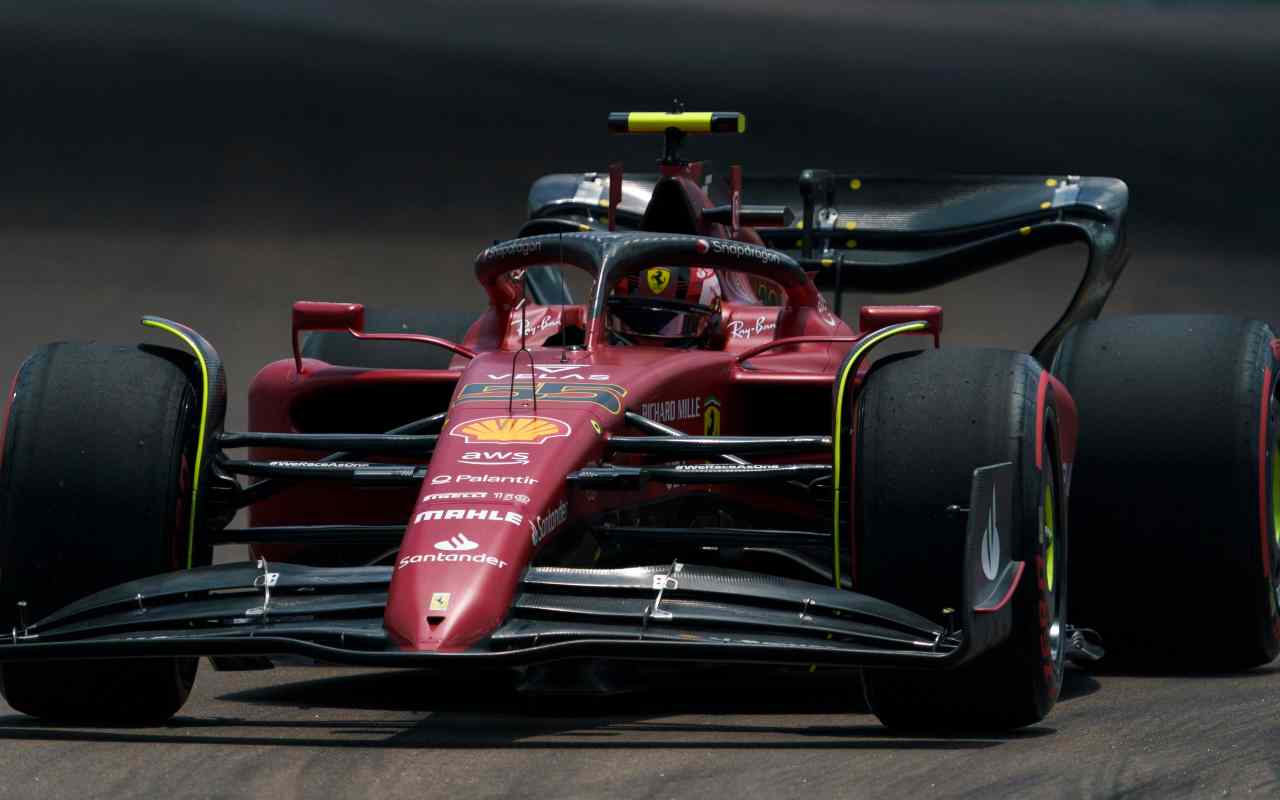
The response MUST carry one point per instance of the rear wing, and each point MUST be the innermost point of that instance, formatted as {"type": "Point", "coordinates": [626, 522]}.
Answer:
{"type": "Point", "coordinates": [893, 233]}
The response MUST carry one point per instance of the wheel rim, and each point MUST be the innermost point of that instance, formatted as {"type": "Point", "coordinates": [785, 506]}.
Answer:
{"type": "Point", "coordinates": [1048, 549]}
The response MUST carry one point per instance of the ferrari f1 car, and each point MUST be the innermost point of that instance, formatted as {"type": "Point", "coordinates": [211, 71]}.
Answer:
{"type": "Point", "coordinates": [697, 463]}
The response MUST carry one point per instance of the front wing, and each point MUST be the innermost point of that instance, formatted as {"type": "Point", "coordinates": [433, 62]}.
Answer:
{"type": "Point", "coordinates": [672, 612]}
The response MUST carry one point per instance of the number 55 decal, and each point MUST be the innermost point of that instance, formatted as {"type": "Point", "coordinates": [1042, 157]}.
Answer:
{"type": "Point", "coordinates": [606, 395]}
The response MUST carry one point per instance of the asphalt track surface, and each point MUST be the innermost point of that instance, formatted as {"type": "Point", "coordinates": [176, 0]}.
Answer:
{"type": "Point", "coordinates": [212, 162]}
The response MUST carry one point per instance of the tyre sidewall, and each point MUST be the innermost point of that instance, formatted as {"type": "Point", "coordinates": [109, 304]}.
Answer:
{"type": "Point", "coordinates": [1017, 682]}
{"type": "Point", "coordinates": [1170, 493]}
{"type": "Point", "coordinates": [51, 557]}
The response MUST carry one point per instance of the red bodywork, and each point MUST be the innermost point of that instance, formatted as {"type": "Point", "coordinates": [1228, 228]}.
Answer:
{"type": "Point", "coordinates": [495, 494]}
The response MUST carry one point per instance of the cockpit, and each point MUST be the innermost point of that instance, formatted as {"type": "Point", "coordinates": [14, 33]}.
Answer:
{"type": "Point", "coordinates": [647, 289]}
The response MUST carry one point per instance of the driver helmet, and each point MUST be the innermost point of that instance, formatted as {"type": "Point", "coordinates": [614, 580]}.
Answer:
{"type": "Point", "coordinates": [690, 285]}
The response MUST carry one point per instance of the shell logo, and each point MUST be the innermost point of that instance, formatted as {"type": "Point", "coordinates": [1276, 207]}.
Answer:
{"type": "Point", "coordinates": [510, 430]}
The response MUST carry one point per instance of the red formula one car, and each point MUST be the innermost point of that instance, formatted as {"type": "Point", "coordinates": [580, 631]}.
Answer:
{"type": "Point", "coordinates": [697, 463]}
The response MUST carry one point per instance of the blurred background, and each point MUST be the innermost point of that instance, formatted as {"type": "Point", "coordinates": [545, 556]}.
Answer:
{"type": "Point", "coordinates": [214, 161]}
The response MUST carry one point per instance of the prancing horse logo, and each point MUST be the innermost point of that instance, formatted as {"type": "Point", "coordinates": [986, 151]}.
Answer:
{"type": "Point", "coordinates": [657, 278]}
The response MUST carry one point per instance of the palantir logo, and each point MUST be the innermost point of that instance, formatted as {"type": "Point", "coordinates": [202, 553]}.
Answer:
{"type": "Point", "coordinates": [456, 543]}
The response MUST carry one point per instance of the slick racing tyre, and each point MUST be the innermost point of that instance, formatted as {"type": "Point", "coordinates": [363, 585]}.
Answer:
{"type": "Point", "coordinates": [98, 459]}
{"type": "Point", "coordinates": [925, 422]}
{"type": "Point", "coordinates": [344, 350]}
{"type": "Point", "coordinates": [1176, 491]}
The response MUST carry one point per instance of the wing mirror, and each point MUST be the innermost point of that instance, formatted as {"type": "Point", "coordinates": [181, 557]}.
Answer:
{"type": "Point", "coordinates": [872, 318]}
{"type": "Point", "coordinates": [312, 316]}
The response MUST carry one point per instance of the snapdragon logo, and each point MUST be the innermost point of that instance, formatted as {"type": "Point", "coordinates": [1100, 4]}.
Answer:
{"type": "Point", "coordinates": [518, 247]}
{"type": "Point", "coordinates": [739, 250]}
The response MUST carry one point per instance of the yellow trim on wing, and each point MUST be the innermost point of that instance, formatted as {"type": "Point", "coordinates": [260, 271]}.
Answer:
{"type": "Point", "coordinates": [842, 381]}
{"type": "Point", "coordinates": [204, 417]}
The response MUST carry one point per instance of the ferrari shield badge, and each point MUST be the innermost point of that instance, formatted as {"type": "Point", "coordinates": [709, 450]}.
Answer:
{"type": "Point", "coordinates": [711, 417]}
{"type": "Point", "coordinates": [658, 279]}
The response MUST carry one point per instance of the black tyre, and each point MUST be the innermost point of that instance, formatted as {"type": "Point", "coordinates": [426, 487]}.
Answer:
{"type": "Point", "coordinates": [98, 459]}
{"type": "Point", "coordinates": [341, 349]}
{"type": "Point", "coordinates": [926, 421]}
{"type": "Point", "coordinates": [1175, 489]}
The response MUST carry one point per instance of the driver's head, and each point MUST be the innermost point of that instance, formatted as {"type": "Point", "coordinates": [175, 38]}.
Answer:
{"type": "Point", "coordinates": [689, 285]}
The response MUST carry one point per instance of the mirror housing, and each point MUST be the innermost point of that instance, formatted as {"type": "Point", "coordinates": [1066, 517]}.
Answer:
{"type": "Point", "coordinates": [309, 315]}
{"type": "Point", "coordinates": [872, 318]}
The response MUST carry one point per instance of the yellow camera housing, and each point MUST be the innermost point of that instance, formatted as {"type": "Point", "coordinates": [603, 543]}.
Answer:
{"type": "Point", "coordinates": [683, 121]}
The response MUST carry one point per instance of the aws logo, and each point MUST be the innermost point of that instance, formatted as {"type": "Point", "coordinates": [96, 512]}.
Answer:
{"type": "Point", "coordinates": [510, 430]}
{"type": "Point", "coordinates": [497, 458]}
{"type": "Point", "coordinates": [606, 395]}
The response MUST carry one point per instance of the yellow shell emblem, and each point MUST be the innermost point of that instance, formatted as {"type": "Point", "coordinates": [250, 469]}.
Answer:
{"type": "Point", "coordinates": [658, 279]}
{"type": "Point", "coordinates": [510, 430]}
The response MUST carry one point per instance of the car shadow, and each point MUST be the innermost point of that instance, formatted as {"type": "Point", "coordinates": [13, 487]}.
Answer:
{"type": "Point", "coordinates": [433, 711]}
{"type": "Point", "coordinates": [1077, 683]}
{"type": "Point", "coordinates": [1262, 672]}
